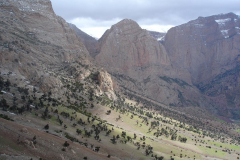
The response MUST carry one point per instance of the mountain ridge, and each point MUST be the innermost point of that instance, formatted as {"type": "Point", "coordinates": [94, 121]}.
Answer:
{"type": "Point", "coordinates": [89, 41]}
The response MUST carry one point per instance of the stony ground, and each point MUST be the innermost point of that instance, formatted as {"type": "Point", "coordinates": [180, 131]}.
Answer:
{"type": "Point", "coordinates": [16, 142]}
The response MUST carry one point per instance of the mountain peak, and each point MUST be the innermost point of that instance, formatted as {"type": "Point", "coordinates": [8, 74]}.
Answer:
{"type": "Point", "coordinates": [216, 17]}
{"type": "Point", "coordinates": [127, 21]}
{"type": "Point", "coordinates": [126, 24]}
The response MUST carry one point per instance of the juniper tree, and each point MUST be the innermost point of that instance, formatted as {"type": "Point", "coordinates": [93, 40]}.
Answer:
{"type": "Point", "coordinates": [46, 127]}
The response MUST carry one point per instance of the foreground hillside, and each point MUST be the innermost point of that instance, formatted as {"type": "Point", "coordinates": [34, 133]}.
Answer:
{"type": "Point", "coordinates": [100, 127]}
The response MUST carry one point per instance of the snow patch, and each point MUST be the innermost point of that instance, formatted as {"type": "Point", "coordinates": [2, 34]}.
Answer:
{"type": "Point", "coordinates": [199, 25]}
{"type": "Point", "coordinates": [32, 106]}
{"type": "Point", "coordinates": [161, 38]}
{"type": "Point", "coordinates": [225, 33]}
{"type": "Point", "coordinates": [223, 21]}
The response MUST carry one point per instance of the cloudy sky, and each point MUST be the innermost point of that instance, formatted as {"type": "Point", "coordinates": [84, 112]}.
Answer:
{"type": "Point", "coordinates": [96, 16]}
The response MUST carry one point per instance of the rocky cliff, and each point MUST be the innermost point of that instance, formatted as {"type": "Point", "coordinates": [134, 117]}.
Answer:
{"type": "Point", "coordinates": [208, 48]}
{"type": "Point", "coordinates": [140, 64]}
{"type": "Point", "coordinates": [131, 50]}
{"type": "Point", "coordinates": [106, 84]}
{"type": "Point", "coordinates": [202, 54]}
{"type": "Point", "coordinates": [89, 42]}
{"type": "Point", "coordinates": [38, 48]}
{"type": "Point", "coordinates": [34, 41]}
{"type": "Point", "coordinates": [205, 47]}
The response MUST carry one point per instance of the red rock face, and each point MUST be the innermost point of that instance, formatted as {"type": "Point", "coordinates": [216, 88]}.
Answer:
{"type": "Point", "coordinates": [209, 49]}
{"type": "Point", "coordinates": [140, 63]}
{"type": "Point", "coordinates": [203, 52]}
{"type": "Point", "coordinates": [129, 49]}
{"type": "Point", "coordinates": [205, 47]}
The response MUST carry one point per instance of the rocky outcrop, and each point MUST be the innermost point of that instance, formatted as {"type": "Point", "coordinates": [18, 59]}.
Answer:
{"type": "Point", "coordinates": [89, 42]}
{"type": "Point", "coordinates": [83, 75]}
{"type": "Point", "coordinates": [50, 83]}
{"type": "Point", "coordinates": [106, 84]}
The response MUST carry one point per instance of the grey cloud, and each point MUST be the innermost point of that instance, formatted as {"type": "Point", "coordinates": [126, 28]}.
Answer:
{"type": "Point", "coordinates": [162, 12]}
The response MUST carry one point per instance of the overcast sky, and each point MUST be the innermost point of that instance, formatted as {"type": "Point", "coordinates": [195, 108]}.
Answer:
{"type": "Point", "coordinates": [96, 16]}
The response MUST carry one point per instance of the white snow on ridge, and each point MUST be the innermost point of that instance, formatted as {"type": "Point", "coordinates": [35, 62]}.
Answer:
{"type": "Point", "coordinates": [161, 38]}
{"type": "Point", "coordinates": [222, 21]}
{"type": "Point", "coordinates": [199, 25]}
{"type": "Point", "coordinates": [238, 30]}
{"type": "Point", "coordinates": [225, 33]}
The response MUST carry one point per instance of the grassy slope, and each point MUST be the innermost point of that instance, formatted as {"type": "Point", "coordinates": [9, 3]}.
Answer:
{"type": "Point", "coordinates": [162, 145]}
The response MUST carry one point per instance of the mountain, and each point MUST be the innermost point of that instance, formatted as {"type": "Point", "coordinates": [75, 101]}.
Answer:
{"type": "Point", "coordinates": [158, 35]}
{"type": "Point", "coordinates": [40, 49]}
{"type": "Point", "coordinates": [35, 41]}
{"type": "Point", "coordinates": [89, 42]}
{"type": "Point", "coordinates": [202, 53]}
{"type": "Point", "coordinates": [131, 50]}
{"type": "Point", "coordinates": [140, 64]}
{"type": "Point", "coordinates": [208, 49]}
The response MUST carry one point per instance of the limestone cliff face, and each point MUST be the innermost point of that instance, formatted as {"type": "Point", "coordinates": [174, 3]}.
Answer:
{"type": "Point", "coordinates": [128, 49]}
{"type": "Point", "coordinates": [140, 64]}
{"type": "Point", "coordinates": [106, 84]}
{"type": "Point", "coordinates": [206, 46]}
{"type": "Point", "coordinates": [35, 41]}
{"type": "Point", "coordinates": [209, 49]}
